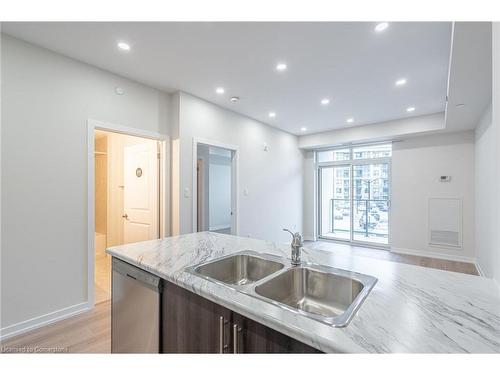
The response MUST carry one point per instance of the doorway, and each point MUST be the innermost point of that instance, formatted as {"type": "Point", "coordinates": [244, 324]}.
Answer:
{"type": "Point", "coordinates": [126, 201]}
{"type": "Point", "coordinates": [215, 189]}
{"type": "Point", "coordinates": [354, 194]}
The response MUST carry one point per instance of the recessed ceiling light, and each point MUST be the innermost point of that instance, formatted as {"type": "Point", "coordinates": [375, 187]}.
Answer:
{"type": "Point", "coordinates": [401, 82]}
{"type": "Point", "coordinates": [381, 27]}
{"type": "Point", "coordinates": [219, 90]}
{"type": "Point", "coordinates": [272, 114]}
{"type": "Point", "coordinates": [234, 99]}
{"type": "Point", "coordinates": [350, 120]}
{"type": "Point", "coordinates": [303, 129]}
{"type": "Point", "coordinates": [281, 66]}
{"type": "Point", "coordinates": [325, 101]}
{"type": "Point", "coordinates": [123, 46]}
{"type": "Point", "coordinates": [410, 109]}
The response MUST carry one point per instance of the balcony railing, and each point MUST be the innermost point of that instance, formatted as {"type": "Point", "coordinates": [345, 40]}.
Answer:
{"type": "Point", "coordinates": [370, 215]}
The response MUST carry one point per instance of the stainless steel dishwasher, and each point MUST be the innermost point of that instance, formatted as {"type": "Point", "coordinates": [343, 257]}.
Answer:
{"type": "Point", "coordinates": [135, 310]}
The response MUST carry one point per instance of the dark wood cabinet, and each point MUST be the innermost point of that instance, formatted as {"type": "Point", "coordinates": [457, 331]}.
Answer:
{"type": "Point", "coordinates": [193, 324]}
{"type": "Point", "coordinates": [252, 337]}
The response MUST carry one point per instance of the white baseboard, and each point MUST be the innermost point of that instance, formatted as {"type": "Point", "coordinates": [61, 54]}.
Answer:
{"type": "Point", "coordinates": [432, 254]}
{"type": "Point", "coordinates": [309, 237]}
{"type": "Point", "coordinates": [479, 269]}
{"type": "Point", "coordinates": [42, 320]}
{"type": "Point", "coordinates": [219, 227]}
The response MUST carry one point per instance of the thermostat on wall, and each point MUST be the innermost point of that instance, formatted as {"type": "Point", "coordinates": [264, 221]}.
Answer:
{"type": "Point", "coordinates": [444, 178]}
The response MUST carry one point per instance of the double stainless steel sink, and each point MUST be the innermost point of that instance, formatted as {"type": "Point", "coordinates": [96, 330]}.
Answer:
{"type": "Point", "coordinates": [329, 295]}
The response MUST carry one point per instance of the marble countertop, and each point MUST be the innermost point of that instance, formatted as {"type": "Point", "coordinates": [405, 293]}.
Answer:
{"type": "Point", "coordinates": [411, 309]}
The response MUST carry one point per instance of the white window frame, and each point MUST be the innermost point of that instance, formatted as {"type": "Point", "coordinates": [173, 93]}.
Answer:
{"type": "Point", "coordinates": [351, 162]}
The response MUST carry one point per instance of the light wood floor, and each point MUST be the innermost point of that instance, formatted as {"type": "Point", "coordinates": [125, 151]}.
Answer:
{"type": "Point", "coordinates": [91, 332]}
{"type": "Point", "coordinates": [441, 264]}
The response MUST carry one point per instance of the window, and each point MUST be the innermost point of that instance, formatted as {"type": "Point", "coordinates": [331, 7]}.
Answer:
{"type": "Point", "coordinates": [333, 155]}
{"type": "Point", "coordinates": [372, 151]}
{"type": "Point", "coordinates": [354, 193]}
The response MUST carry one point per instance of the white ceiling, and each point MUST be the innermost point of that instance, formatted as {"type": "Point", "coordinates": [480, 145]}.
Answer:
{"type": "Point", "coordinates": [349, 63]}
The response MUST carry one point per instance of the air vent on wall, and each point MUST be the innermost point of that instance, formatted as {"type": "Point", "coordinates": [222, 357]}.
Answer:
{"type": "Point", "coordinates": [445, 222]}
{"type": "Point", "coordinates": [445, 237]}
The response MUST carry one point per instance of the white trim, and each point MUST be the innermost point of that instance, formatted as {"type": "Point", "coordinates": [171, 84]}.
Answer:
{"type": "Point", "coordinates": [102, 125]}
{"type": "Point", "coordinates": [43, 320]}
{"type": "Point", "coordinates": [219, 227]}
{"type": "Point", "coordinates": [479, 269]}
{"type": "Point", "coordinates": [235, 182]}
{"type": "Point", "coordinates": [432, 254]}
{"type": "Point", "coordinates": [93, 125]}
{"type": "Point", "coordinates": [165, 224]}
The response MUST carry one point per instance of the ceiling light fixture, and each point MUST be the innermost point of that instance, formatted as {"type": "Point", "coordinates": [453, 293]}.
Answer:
{"type": "Point", "coordinates": [219, 90]}
{"type": "Point", "coordinates": [410, 109]}
{"type": "Point", "coordinates": [350, 120]}
{"type": "Point", "coordinates": [401, 82]}
{"type": "Point", "coordinates": [381, 27]}
{"type": "Point", "coordinates": [123, 46]}
{"type": "Point", "coordinates": [325, 101]}
{"type": "Point", "coordinates": [272, 114]}
{"type": "Point", "coordinates": [303, 129]}
{"type": "Point", "coordinates": [234, 99]}
{"type": "Point", "coordinates": [281, 66]}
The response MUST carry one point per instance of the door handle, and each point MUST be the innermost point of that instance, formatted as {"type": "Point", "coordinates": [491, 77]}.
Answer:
{"type": "Point", "coordinates": [222, 346]}
{"type": "Point", "coordinates": [125, 216]}
{"type": "Point", "coordinates": [236, 338]}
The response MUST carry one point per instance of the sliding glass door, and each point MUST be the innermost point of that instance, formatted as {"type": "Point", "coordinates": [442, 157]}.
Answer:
{"type": "Point", "coordinates": [336, 202]}
{"type": "Point", "coordinates": [371, 203]}
{"type": "Point", "coordinates": [354, 193]}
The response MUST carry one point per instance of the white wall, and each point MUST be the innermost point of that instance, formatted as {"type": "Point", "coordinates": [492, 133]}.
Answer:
{"type": "Point", "coordinates": [488, 175]}
{"type": "Point", "coordinates": [486, 194]}
{"type": "Point", "coordinates": [46, 101]}
{"type": "Point", "coordinates": [272, 178]}
{"type": "Point", "coordinates": [417, 164]}
{"type": "Point", "coordinates": [310, 190]}
{"type": "Point", "coordinates": [496, 120]}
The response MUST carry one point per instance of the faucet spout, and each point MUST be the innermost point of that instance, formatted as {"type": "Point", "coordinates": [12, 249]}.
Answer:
{"type": "Point", "coordinates": [296, 246]}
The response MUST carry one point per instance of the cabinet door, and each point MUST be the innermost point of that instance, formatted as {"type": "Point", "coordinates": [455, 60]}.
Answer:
{"type": "Point", "coordinates": [252, 337]}
{"type": "Point", "coordinates": [193, 324]}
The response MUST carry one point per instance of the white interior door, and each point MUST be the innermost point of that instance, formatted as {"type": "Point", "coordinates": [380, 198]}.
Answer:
{"type": "Point", "coordinates": [141, 192]}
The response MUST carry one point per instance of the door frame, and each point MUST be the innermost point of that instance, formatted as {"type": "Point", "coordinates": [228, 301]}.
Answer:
{"type": "Point", "coordinates": [164, 201]}
{"type": "Point", "coordinates": [234, 182]}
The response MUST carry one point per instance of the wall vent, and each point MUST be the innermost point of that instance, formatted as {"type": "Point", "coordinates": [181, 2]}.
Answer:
{"type": "Point", "coordinates": [445, 237]}
{"type": "Point", "coordinates": [445, 222]}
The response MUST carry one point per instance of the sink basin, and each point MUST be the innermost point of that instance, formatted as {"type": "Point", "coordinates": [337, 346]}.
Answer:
{"type": "Point", "coordinates": [331, 295]}
{"type": "Point", "coordinates": [326, 294]}
{"type": "Point", "coordinates": [240, 269]}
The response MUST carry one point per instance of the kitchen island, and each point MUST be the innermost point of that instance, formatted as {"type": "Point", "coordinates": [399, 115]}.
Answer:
{"type": "Point", "coordinates": [411, 309]}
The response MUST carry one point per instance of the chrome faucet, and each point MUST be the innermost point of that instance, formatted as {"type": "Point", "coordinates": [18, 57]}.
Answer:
{"type": "Point", "coordinates": [296, 247]}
